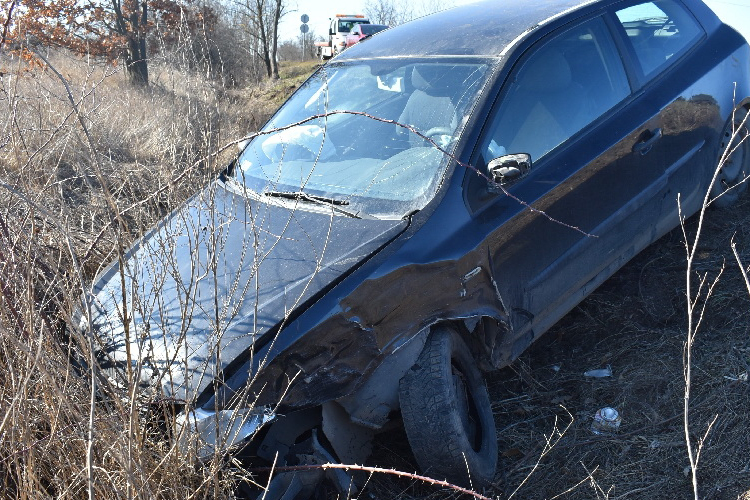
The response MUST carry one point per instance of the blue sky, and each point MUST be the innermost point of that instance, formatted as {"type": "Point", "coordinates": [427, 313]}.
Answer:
{"type": "Point", "coordinates": [736, 13]}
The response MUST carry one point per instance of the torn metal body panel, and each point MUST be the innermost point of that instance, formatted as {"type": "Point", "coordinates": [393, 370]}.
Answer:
{"type": "Point", "coordinates": [380, 321]}
{"type": "Point", "coordinates": [366, 224]}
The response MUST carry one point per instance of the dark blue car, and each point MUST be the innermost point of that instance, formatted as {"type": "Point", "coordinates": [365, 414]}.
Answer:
{"type": "Point", "coordinates": [421, 210]}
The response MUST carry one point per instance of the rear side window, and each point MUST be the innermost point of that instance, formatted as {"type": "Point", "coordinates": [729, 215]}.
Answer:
{"type": "Point", "coordinates": [658, 31]}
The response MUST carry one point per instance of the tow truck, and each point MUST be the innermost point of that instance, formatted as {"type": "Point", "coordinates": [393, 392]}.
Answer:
{"type": "Point", "coordinates": [341, 25]}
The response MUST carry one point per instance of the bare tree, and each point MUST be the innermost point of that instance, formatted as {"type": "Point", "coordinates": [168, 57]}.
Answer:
{"type": "Point", "coordinates": [132, 26]}
{"type": "Point", "coordinates": [261, 18]}
{"type": "Point", "coordinates": [426, 7]}
{"type": "Point", "coordinates": [395, 12]}
{"type": "Point", "coordinates": [300, 48]}
{"type": "Point", "coordinates": [113, 29]}
{"type": "Point", "coordinates": [388, 12]}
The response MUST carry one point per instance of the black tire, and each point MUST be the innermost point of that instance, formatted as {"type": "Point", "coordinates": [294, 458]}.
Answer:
{"type": "Point", "coordinates": [736, 167]}
{"type": "Point", "coordinates": [447, 414]}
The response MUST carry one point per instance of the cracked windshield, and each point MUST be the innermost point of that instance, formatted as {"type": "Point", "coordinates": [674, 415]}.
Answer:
{"type": "Point", "coordinates": [356, 135]}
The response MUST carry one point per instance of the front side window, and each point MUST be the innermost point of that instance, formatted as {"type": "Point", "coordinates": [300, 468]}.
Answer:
{"type": "Point", "coordinates": [339, 136]}
{"type": "Point", "coordinates": [565, 84]}
{"type": "Point", "coordinates": [657, 31]}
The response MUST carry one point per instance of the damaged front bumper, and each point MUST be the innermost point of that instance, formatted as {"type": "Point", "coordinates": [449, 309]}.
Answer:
{"type": "Point", "coordinates": [211, 432]}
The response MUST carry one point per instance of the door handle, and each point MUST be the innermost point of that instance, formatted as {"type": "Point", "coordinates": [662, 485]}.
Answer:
{"type": "Point", "coordinates": [644, 145]}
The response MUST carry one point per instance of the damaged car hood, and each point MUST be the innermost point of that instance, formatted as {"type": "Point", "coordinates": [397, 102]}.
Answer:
{"type": "Point", "coordinates": [217, 275]}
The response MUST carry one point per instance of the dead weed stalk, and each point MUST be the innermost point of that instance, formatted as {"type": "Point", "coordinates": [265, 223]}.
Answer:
{"type": "Point", "coordinates": [81, 155]}
{"type": "Point", "coordinates": [697, 299]}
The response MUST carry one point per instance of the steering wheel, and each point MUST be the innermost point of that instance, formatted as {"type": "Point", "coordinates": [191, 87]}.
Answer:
{"type": "Point", "coordinates": [438, 131]}
{"type": "Point", "coordinates": [442, 136]}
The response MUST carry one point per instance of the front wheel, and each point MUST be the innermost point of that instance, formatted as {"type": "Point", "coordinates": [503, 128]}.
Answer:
{"type": "Point", "coordinates": [447, 414]}
{"type": "Point", "coordinates": [731, 180]}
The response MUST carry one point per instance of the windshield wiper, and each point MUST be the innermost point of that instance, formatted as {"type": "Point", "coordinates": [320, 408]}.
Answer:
{"type": "Point", "coordinates": [311, 198]}
{"type": "Point", "coordinates": [301, 195]}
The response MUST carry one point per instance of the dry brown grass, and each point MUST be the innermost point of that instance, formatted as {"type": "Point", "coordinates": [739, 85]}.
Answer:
{"type": "Point", "coordinates": [62, 194]}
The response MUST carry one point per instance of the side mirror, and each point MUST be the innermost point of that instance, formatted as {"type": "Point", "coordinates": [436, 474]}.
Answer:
{"type": "Point", "coordinates": [509, 168]}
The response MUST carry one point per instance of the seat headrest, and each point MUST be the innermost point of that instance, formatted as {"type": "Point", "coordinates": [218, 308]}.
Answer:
{"type": "Point", "coordinates": [432, 77]}
{"type": "Point", "coordinates": [547, 71]}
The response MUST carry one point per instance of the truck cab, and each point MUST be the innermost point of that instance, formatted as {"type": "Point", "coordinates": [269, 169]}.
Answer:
{"type": "Point", "coordinates": [341, 25]}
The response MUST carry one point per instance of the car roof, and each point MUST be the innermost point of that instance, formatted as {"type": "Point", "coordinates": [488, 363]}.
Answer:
{"type": "Point", "coordinates": [484, 28]}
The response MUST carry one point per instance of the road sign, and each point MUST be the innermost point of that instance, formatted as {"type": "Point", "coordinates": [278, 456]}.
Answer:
{"type": "Point", "coordinates": [304, 18]}
{"type": "Point", "coordinates": [304, 28]}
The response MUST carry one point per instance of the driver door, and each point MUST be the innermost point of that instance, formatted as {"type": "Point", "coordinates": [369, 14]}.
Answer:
{"type": "Point", "coordinates": [569, 105]}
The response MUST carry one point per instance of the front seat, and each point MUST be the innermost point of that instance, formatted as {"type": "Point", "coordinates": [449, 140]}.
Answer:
{"type": "Point", "coordinates": [548, 107]}
{"type": "Point", "coordinates": [429, 106]}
